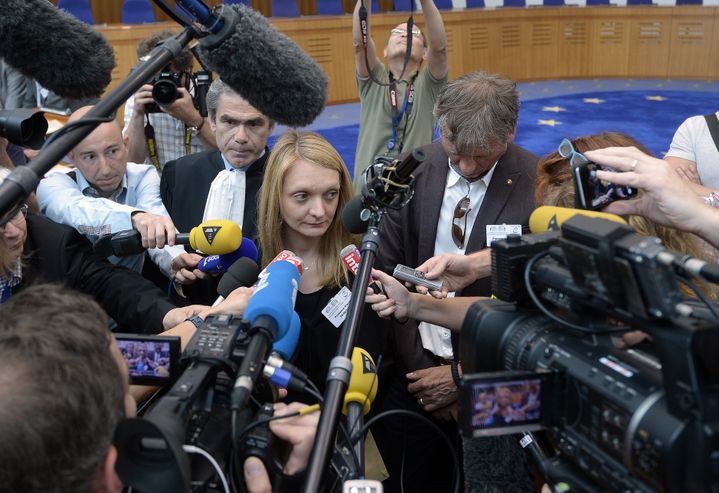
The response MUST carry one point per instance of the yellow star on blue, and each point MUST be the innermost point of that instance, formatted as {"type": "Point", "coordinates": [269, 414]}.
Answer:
{"type": "Point", "coordinates": [550, 123]}
{"type": "Point", "coordinates": [555, 109]}
{"type": "Point", "coordinates": [656, 98]}
{"type": "Point", "coordinates": [593, 100]}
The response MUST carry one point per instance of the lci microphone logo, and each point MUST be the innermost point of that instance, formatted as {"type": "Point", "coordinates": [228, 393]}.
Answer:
{"type": "Point", "coordinates": [210, 232]}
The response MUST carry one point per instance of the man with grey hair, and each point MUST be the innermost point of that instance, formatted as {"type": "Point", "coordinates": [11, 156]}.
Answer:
{"type": "Point", "coordinates": [219, 184]}
{"type": "Point", "coordinates": [474, 186]}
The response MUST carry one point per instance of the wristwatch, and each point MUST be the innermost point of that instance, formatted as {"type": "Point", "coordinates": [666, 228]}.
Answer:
{"type": "Point", "coordinates": [196, 321]}
{"type": "Point", "coordinates": [196, 130]}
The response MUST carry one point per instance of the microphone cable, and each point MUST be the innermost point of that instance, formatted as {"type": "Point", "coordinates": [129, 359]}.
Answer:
{"type": "Point", "coordinates": [433, 427]}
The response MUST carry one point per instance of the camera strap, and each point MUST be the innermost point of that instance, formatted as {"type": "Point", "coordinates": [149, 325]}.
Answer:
{"type": "Point", "coordinates": [399, 113]}
{"type": "Point", "coordinates": [152, 143]}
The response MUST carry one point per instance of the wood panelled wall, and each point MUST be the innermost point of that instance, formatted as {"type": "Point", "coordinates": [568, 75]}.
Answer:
{"type": "Point", "coordinates": [108, 11]}
{"type": "Point", "coordinates": [523, 43]}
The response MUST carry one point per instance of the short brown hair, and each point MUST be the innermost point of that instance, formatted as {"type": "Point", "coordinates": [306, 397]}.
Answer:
{"type": "Point", "coordinates": [63, 394]}
{"type": "Point", "coordinates": [183, 61]}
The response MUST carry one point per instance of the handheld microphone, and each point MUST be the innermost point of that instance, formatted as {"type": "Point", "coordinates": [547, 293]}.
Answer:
{"type": "Point", "coordinates": [243, 272]}
{"type": "Point", "coordinates": [285, 347]}
{"type": "Point", "coordinates": [351, 258]}
{"type": "Point", "coordinates": [48, 44]}
{"type": "Point", "coordinates": [360, 393]}
{"type": "Point", "coordinates": [352, 216]}
{"type": "Point", "coordinates": [215, 237]}
{"type": "Point", "coordinates": [220, 263]}
{"type": "Point", "coordinates": [269, 314]}
{"type": "Point", "coordinates": [550, 218]}
{"type": "Point", "coordinates": [273, 73]}
{"type": "Point", "coordinates": [362, 388]}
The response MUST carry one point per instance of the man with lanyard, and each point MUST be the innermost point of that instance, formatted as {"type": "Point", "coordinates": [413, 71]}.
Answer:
{"type": "Point", "coordinates": [171, 131]}
{"type": "Point", "coordinates": [107, 194]}
{"type": "Point", "coordinates": [397, 100]}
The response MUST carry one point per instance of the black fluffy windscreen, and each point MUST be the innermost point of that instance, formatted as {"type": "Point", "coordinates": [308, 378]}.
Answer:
{"type": "Point", "coordinates": [269, 70]}
{"type": "Point", "coordinates": [60, 52]}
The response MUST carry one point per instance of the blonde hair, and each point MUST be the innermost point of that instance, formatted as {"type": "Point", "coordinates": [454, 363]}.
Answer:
{"type": "Point", "coordinates": [289, 148]}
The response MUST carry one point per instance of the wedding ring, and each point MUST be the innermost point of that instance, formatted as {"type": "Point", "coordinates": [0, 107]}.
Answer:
{"type": "Point", "coordinates": [421, 402]}
{"type": "Point", "coordinates": [634, 165]}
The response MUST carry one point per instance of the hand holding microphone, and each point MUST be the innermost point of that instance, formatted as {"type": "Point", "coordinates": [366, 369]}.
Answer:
{"type": "Point", "coordinates": [211, 237]}
{"type": "Point", "coordinates": [269, 313]}
{"type": "Point", "coordinates": [155, 231]}
{"type": "Point", "coordinates": [351, 257]}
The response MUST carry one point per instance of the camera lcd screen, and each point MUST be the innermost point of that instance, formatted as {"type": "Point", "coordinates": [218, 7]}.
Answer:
{"type": "Point", "coordinates": [502, 403]}
{"type": "Point", "coordinates": [151, 360]}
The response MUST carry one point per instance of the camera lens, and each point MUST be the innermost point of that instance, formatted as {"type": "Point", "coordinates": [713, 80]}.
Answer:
{"type": "Point", "coordinates": [164, 92]}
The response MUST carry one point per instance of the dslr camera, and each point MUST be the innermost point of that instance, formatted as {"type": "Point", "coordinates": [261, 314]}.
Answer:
{"type": "Point", "coordinates": [165, 89]}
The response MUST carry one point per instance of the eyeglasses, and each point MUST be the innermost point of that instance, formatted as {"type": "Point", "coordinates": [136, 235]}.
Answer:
{"type": "Point", "coordinates": [403, 32]}
{"type": "Point", "coordinates": [15, 217]}
{"type": "Point", "coordinates": [460, 212]}
{"type": "Point", "coordinates": [567, 151]}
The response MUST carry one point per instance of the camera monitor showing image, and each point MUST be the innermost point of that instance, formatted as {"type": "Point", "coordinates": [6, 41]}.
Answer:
{"type": "Point", "coordinates": [501, 403]}
{"type": "Point", "coordinates": [151, 360]}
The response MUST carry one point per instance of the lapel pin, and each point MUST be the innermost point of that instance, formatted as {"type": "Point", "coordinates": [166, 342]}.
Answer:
{"type": "Point", "coordinates": [509, 181]}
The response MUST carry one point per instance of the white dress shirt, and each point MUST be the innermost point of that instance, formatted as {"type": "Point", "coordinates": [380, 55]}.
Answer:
{"type": "Point", "coordinates": [436, 338]}
{"type": "Point", "coordinates": [77, 204]}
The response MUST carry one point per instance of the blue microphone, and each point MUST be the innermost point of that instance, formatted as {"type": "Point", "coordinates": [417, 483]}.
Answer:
{"type": "Point", "coordinates": [269, 313]}
{"type": "Point", "coordinates": [286, 346]}
{"type": "Point", "coordinates": [220, 263]}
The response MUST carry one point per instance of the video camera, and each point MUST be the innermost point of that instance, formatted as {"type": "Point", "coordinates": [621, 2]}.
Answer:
{"type": "Point", "coordinates": [166, 83]}
{"type": "Point", "coordinates": [638, 419]}
{"type": "Point", "coordinates": [196, 411]}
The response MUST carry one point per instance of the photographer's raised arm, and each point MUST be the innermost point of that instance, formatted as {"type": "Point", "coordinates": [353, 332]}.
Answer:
{"type": "Point", "coordinates": [666, 198]}
{"type": "Point", "coordinates": [360, 64]}
{"type": "Point", "coordinates": [135, 124]}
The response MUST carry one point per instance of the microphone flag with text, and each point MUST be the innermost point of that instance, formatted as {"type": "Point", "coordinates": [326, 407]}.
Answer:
{"type": "Point", "coordinates": [220, 263]}
{"type": "Point", "coordinates": [269, 314]}
{"type": "Point", "coordinates": [551, 218]}
{"type": "Point", "coordinates": [351, 257]}
{"type": "Point", "coordinates": [363, 384]}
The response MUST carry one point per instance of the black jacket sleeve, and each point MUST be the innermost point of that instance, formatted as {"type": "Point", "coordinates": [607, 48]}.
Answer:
{"type": "Point", "coordinates": [64, 255]}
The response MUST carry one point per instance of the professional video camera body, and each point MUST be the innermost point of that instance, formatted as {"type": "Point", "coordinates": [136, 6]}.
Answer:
{"type": "Point", "coordinates": [619, 419]}
{"type": "Point", "coordinates": [196, 411]}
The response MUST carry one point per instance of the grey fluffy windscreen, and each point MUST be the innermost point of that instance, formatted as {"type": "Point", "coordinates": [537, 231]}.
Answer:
{"type": "Point", "coordinates": [269, 70]}
{"type": "Point", "coordinates": [60, 52]}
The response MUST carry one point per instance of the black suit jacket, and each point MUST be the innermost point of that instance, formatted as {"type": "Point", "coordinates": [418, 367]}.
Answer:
{"type": "Point", "coordinates": [58, 253]}
{"type": "Point", "coordinates": [185, 185]}
{"type": "Point", "coordinates": [408, 235]}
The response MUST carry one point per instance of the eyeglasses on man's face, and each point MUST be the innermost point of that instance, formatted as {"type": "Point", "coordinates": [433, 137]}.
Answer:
{"type": "Point", "coordinates": [14, 217]}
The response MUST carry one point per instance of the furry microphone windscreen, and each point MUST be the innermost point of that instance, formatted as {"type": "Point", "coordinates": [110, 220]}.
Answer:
{"type": "Point", "coordinates": [60, 52]}
{"type": "Point", "coordinates": [269, 70]}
